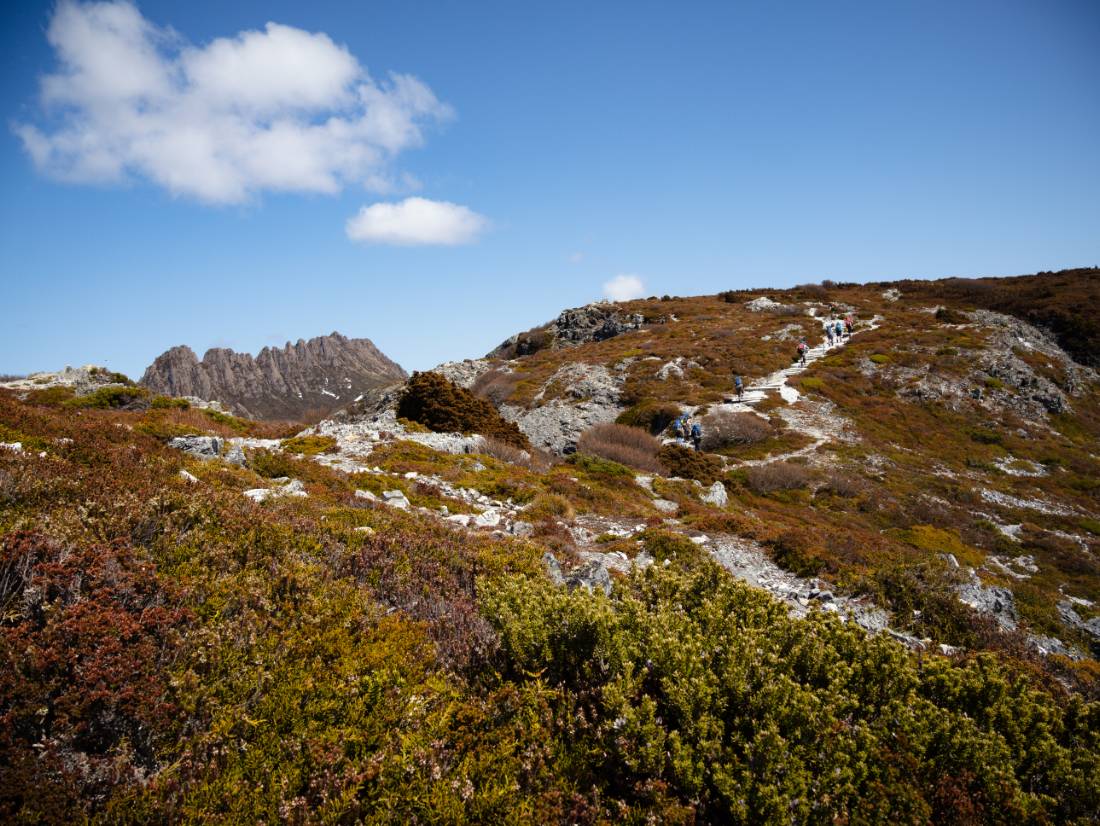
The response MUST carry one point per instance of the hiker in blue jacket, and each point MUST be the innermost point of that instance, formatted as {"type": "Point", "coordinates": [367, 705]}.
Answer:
{"type": "Point", "coordinates": [697, 435]}
{"type": "Point", "coordinates": [739, 387]}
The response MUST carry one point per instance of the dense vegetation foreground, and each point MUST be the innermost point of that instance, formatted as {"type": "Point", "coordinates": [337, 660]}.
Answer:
{"type": "Point", "coordinates": [172, 651]}
{"type": "Point", "coordinates": [351, 626]}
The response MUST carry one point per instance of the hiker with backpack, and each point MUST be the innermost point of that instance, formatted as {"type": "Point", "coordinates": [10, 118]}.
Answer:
{"type": "Point", "coordinates": [848, 324]}
{"type": "Point", "coordinates": [802, 348]}
{"type": "Point", "coordinates": [683, 429]}
{"type": "Point", "coordinates": [697, 435]}
{"type": "Point", "coordinates": [839, 329]}
{"type": "Point", "coordinates": [829, 333]}
{"type": "Point", "coordinates": [739, 387]}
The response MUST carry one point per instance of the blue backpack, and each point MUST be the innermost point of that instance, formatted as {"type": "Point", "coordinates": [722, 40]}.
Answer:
{"type": "Point", "coordinates": [696, 430]}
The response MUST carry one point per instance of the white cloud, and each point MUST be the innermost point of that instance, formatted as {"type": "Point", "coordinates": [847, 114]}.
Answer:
{"type": "Point", "coordinates": [624, 288]}
{"type": "Point", "coordinates": [416, 221]}
{"type": "Point", "coordinates": [278, 109]}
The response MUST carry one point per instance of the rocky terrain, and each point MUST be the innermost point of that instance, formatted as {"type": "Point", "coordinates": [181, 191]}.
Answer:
{"type": "Point", "coordinates": [298, 381]}
{"type": "Point", "coordinates": [873, 594]}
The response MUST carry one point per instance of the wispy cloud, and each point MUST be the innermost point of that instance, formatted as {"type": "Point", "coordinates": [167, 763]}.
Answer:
{"type": "Point", "coordinates": [416, 221]}
{"type": "Point", "coordinates": [624, 287]}
{"type": "Point", "coordinates": [280, 109]}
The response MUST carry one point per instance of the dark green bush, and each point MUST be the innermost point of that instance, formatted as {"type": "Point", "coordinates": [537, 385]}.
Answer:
{"type": "Point", "coordinates": [650, 414]}
{"type": "Point", "coordinates": [113, 396]}
{"type": "Point", "coordinates": [169, 403]}
{"type": "Point", "coordinates": [271, 464]}
{"type": "Point", "coordinates": [444, 407]}
{"type": "Point", "coordinates": [690, 464]}
{"type": "Point", "coordinates": [309, 445]}
{"type": "Point", "coordinates": [691, 684]}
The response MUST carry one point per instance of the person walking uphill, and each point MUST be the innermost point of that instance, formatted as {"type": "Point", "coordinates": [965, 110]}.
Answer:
{"type": "Point", "coordinates": [802, 348]}
{"type": "Point", "coordinates": [739, 387]}
{"type": "Point", "coordinates": [697, 435]}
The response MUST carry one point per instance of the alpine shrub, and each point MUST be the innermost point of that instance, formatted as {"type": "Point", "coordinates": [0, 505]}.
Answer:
{"type": "Point", "coordinates": [764, 479]}
{"type": "Point", "coordinates": [619, 443]}
{"type": "Point", "coordinates": [444, 407]}
{"type": "Point", "coordinates": [724, 429]}
{"type": "Point", "coordinates": [650, 414]}
{"type": "Point", "coordinates": [690, 464]}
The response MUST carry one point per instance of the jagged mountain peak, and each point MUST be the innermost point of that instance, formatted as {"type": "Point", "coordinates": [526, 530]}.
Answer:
{"type": "Point", "coordinates": [298, 380]}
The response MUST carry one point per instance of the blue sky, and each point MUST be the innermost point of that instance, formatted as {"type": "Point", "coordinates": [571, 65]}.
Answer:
{"type": "Point", "coordinates": [548, 148]}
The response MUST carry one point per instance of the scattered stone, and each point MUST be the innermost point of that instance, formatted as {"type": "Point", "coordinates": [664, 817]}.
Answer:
{"type": "Point", "coordinates": [205, 447]}
{"type": "Point", "coordinates": [396, 499]}
{"type": "Point", "coordinates": [592, 575]}
{"type": "Point", "coordinates": [950, 560]}
{"type": "Point", "coordinates": [188, 477]}
{"type": "Point", "coordinates": [665, 505]}
{"type": "Point", "coordinates": [235, 456]}
{"type": "Point", "coordinates": [553, 568]}
{"type": "Point", "coordinates": [487, 519]}
{"type": "Point", "coordinates": [366, 494]}
{"type": "Point", "coordinates": [892, 294]}
{"type": "Point", "coordinates": [716, 495]}
{"type": "Point", "coordinates": [991, 600]}
{"type": "Point", "coordinates": [462, 519]}
{"type": "Point", "coordinates": [521, 528]}
{"type": "Point", "coordinates": [1071, 618]}
{"type": "Point", "coordinates": [365, 529]}
{"type": "Point", "coordinates": [15, 447]}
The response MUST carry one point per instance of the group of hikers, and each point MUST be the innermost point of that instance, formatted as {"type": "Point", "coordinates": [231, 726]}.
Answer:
{"type": "Point", "coordinates": [836, 329]}
{"type": "Point", "coordinates": [688, 431]}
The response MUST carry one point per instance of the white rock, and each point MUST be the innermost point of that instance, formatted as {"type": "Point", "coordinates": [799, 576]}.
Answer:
{"type": "Point", "coordinates": [16, 447]}
{"type": "Point", "coordinates": [665, 505]}
{"type": "Point", "coordinates": [412, 474]}
{"type": "Point", "coordinates": [716, 495]}
{"type": "Point", "coordinates": [366, 494]}
{"type": "Point", "coordinates": [462, 519]}
{"type": "Point", "coordinates": [188, 477]}
{"type": "Point", "coordinates": [489, 518]}
{"type": "Point", "coordinates": [292, 488]}
{"type": "Point", "coordinates": [259, 494]}
{"type": "Point", "coordinates": [365, 529]}
{"type": "Point", "coordinates": [396, 499]}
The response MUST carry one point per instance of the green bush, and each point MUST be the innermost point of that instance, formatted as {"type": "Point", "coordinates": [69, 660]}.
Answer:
{"type": "Point", "coordinates": [169, 403]}
{"type": "Point", "coordinates": [113, 396]}
{"type": "Point", "coordinates": [687, 687]}
{"type": "Point", "coordinates": [690, 464]}
{"type": "Point", "coordinates": [880, 358]}
{"type": "Point", "coordinates": [309, 445]}
{"type": "Point", "coordinates": [984, 436]}
{"type": "Point", "coordinates": [650, 414]}
{"type": "Point", "coordinates": [51, 396]}
{"type": "Point", "coordinates": [667, 545]}
{"type": "Point", "coordinates": [271, 464]}
{"type": "Point", "coordinates": [598, 465]}
{"type": "Point", "coordinates": [225, 419]}
{"type": "Point", "coordinates": [444, 407]}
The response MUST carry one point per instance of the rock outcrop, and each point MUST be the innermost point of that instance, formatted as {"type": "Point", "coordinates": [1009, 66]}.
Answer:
{"type": "Point", "coordinates": [593, 322]}
{"type": "Point", "coordinates": [309, 378]}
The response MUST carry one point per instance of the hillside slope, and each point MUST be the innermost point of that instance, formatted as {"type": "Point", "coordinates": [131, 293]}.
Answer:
{"type": "Point", "coordinates": [871, 597]}
{"type": "Point", "coordinates": [296, 382]}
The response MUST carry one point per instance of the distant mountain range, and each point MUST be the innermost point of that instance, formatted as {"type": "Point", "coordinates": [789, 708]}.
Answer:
{"type": "Point", "coordinates": [299, 381]}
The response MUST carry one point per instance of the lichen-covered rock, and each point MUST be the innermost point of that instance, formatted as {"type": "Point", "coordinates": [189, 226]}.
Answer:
{"type": "Point", "coordinates": [205, 447]}
{"type": "Point", "coordinates": [716, 495]}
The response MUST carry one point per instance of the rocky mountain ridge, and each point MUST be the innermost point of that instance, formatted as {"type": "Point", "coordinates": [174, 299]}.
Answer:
{"type": "Point", "coordinates": [302, 380]}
